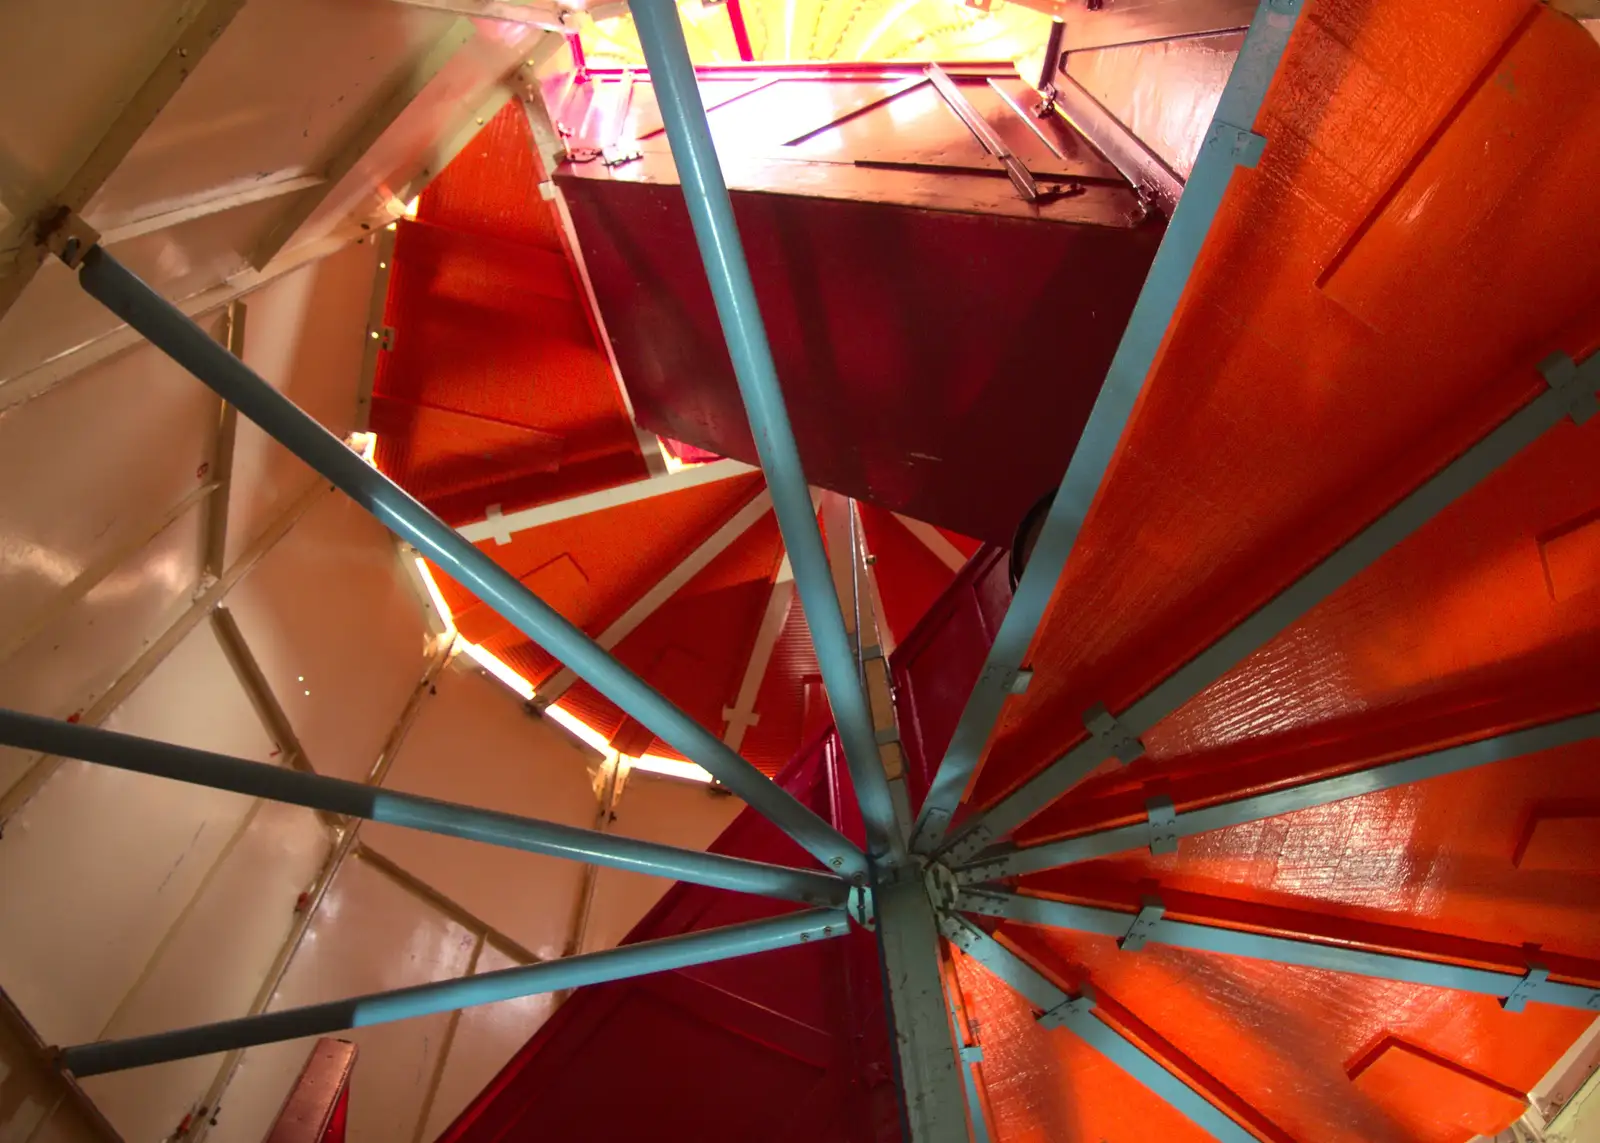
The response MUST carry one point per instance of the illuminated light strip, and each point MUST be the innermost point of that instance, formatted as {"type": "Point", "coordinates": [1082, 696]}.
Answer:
{"type": "Point", "coordinates": [365, 445]}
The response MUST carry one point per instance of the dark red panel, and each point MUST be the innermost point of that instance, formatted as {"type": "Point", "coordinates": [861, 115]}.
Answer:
{"type": "Point", "coordinates": [787, 1046]}
{"type": "Point", "coordinates": [909, 576]}
{"type": "Point", "coordinates": [935, 363]}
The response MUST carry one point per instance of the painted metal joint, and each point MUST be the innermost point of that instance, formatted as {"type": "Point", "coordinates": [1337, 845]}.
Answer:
{"type": "Point", "coordinates": [1243, 147]}
{"type": "Point", "coordinates": [1519, 996]}
{"type": "Point", "coordinates": [972, 843]}
{"type": "Point", "coordinates": [859, 906]}
{"type": "Point", "coordinates": [1579, 384]}
{"type": "Point", "coordinates": [943, 888]}
{"type": "Point", "coordinates": [1065, 1012]}
{"type": "Point", "coordinates": [1113, 736]}
{"type": "Point", "coordinates": [64, 233]}
{"type": "Point", "coordinates": [1163, 816]}
{"type": "Point", "coordinates": [1144, 925]}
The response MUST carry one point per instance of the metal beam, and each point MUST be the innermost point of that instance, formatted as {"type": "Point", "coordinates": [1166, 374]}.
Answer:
{"type": "Point", "coordinates": [1150, 925]}
{"type": "Point", "coordinates": [1076, 1014]}
{"type": "Point", "coordinates": [741, 716]}
{"type": "Point", "coordinates": [547, 14]}
{"type": "Point", "coordinates": [1141, 166]}
{"type": "Point", "coordinates": [355, 147]}
{"type": "Point", "coordinates": [501, 527]}
{"type": "Point", "coordinates": [640, 959]}
{"type": "Point", "coordinates": [124, 294]}
{"type": "Point", "coordinates": [711, 211]}
{"type": "Point", "coordinates": [166, 219]}
{"type": "Point", "coordinates": [371, 803]}
{"type": "Point", "coordinates": [935, 541]}
{"type": "Point", "coordinates": [932, 1094]}
{"type": "Point", "coordinates": [1228, 144]}
{"type": "Point", "coordinates": [216, 532]}
{"type": "Point", "coordinates": [1571, 393]}
{"type": "Point", "coordinates": [198, 29]}
{"type": "Point", "coordinates": [1162, 830]}
{"type": "Point", "coordinates": [664, 589]}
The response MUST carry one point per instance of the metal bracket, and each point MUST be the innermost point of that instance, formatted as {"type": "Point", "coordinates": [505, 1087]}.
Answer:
{"type": "Point", "coordinates": [970, 1053]}
{"type": "Point", "coordinates": [1019, 682]}
{"type": "Point", "coordinates": [859, 906]}
{"type": "Point", "coordinates": [67, 236]}
{"type": "Point", "coordinates": [1163, 824]}
{"type": "Point", "coordinates": [971, 844]}
{"type": "Point", "coordinates": [617, 155]}
{"type": "Point", "coordinates": [943, 888]}
{"type": "Point", "coordinates": [1580, 384]}
{"type": "Point", "coordinates": [1144, 925]}
{"type": "Point", "coordinates": [1519, 996]}
{"type": "Point", "coordinates": [1057, 1016]}
{"type": "Point", "coordinates": [1244, 147]}
{"type": "Point", "coordinates": [1117, 739]}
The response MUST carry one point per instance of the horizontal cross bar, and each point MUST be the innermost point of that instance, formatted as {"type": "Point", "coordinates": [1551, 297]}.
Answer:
{"type": "Point", "coordinates": [1571, 393]}
{"type": "Point", "coordinates": [1076, 1014]}
{"type": "Point", "coordinates": [120, 291]}
{"type": "Point", "coordinates": [641, 959]}
{"type": "Point", "coordinates": [336, 795]}
{"type": "Point", "coordinates": [1016, 860]}
{"type": "Point", "coordinates": [1282, 950]}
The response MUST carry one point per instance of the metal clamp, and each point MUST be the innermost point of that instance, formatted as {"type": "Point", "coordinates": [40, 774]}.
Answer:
{"type": "Point", "coordinates": [859, 906]}
{"type": "Point", "coordinates": [1519, 996]}
{"type": "Point", "coordinates": [1243, 147]}
{"type": "Point", "coordinates": [1117, 739]}
{"type": "Point", "coordinates": [1061, 1013]}
{"type": "Point", "coordinates": [1144, 925]}
{"type": "Point", "coordinates": [1579, 384]}
{"type": "Point", "coordinates": [1163, 816]}
{"type": "Point", "coordinates": [66, 235]}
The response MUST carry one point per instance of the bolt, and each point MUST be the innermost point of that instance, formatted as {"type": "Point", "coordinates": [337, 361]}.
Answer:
{"type": "Point", "coordinates": [804, 937]}
{"type": "Point", "coordinates": [827, 930]}
{"type": "Point", "coordinates": [837, 862]}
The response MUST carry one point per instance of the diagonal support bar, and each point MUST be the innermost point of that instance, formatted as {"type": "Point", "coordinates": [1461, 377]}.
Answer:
{"type": "Point", "coordinates": [711, 211]}
{"type": "Point", "coordinates": [1113, 408]}
{"type": "Point", "coordinates": [1076, 1014]}
{"type": "Point", "coordinates": [1017, 860]}
{"type": "Point", "coordinates": [1571, 394]}
{"type": "Point", "coordinates": [1158, 929]}
{"type": "Point", "coordinates": [641, 959]}
{"type": "Point", "coordinates": [107, 280]}
{"type": "Point", "coordinates": [335, 795]}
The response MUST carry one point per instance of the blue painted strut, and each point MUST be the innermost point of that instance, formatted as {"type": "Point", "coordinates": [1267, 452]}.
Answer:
{"type": "Point", "coordinates": [447, 995]}
{"type": "Point", "coordinates": [1228, 145]}
{"type": "Point", "coordinates": [107, 280]}
{"type": "Point", "coordinates": [706, 194]}
{"type": "Point", "coordinates": [337, 796]}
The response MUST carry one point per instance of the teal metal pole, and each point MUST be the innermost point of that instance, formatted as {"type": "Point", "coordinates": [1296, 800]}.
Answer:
{"type": "Point", "coordinates": [683, 115]}
{"type": "Point", "coordinates": [166, 327]}
{"type": "Point", "coordinates": [621, 963]}
{"type": "Point", "coordinates": [337, 796]}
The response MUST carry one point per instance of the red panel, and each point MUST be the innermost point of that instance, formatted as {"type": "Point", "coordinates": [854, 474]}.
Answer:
{"type": "Point", "coordinates": [921, 351]}
{"type": "Point", "coordinates": [1227, 491]}
{"type": "Point", "coordinates": [492, 187]}
{"type": "Point", "coordinates": [787, 1046]}
{"type": "Point", "coordinates": [593, 567]}
{"type": "Point", "coordinates": [318, 1105]}
{"type": "Point", "coordinates": [1464, 1105]}
{"type": "Point", "coordinates": [909, 576]}
{"type": "Point", "coordinates": [782, 701]}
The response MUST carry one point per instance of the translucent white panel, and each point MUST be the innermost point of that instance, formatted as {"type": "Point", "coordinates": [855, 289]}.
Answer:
{"type": "Point", "coordinates": [213, 964]}
{"type": "Point", "coordinates": [474, 743]}
{"type": "Point", "coordinates": [370, 935]}
{"type": "Point", "coordinates": [656, 809]}
{"type": "Point", "coordinates": [76, 660]}
{"type": "Point", "coordinates": [90, 466]}
{"type": "Point", "coordinates": [486, 1037]}
{"type": "Point", "coordinates": [99, 866]}
{"type": "Point", "coordinates": [303, 333]}
{"type": "Point", "coordinates": [337, 633]}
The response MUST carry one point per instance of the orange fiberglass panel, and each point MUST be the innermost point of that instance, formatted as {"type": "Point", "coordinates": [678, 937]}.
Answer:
{"type": "Point", "coordinates": [695, 646]}
{"type": "Point", "coordinates": [910, 577]}
{"type": "Point", "coordinates": [1279, 421]}
{"type": "Point", "coordinates": [494, 388]}
{"type": "Point", "coordinates": [782, 698]}
{"type": "Point", "coordinates": [593, 567]}
{"type": "Point", "coordinates": [1283, 1041]}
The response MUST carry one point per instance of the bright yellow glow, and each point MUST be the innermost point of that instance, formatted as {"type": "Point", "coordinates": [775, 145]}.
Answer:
{"type": "Point", "coordinates": [365, 445]}
{"type": "Point", "coordinates": [503, 671]}
{"type": "Point", "coordinates": [499, 670]}
{"type": "Point", "coordinates": [410, 210]}
{"type": "Point", "coordinates": [671, 767]}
